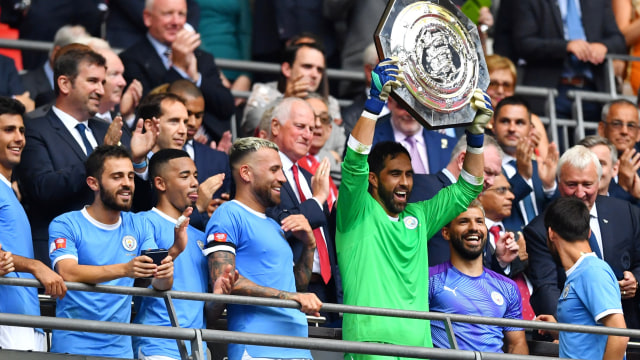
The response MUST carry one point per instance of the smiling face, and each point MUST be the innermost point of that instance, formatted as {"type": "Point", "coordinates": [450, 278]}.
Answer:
{"type": "Point", "coordinates": [12, 142]}
{"type": "Point", "coordinates": [579, 183]}
{"type": "Point", "coordinates": [323, 127]}
{"type": "Point", "coordinates": [173, 125]}
{"type": "Point", "coordinates": [266, 176]}
{"type": "Point", "coordinates": [467, 233]}
{"type": "Point", "coordinates": [511, 124]}
{"type": "Point", "coordinates": [402, 120]}
{"type": "Point", "coordinates": [295, 135]}
{"type": "Point", "coordinates": [116, 184]}
{"type": "Point", "coordinates": [392, 188]}
{"type": "Point", "coordinates": [165, 18]}
{"type": "Point", "coordinates": [114, 82]}
{"type": "Point", "coordinates": [609, 169]}
{"type": "Point", "coordinates": [501, 85]}
{"type": "Point", "coordinates": [85, 92]}
{"type": "Point", "coordinates": [621, 126]}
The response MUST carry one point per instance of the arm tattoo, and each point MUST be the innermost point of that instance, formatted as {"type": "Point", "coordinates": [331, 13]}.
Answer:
{"type": "Point", "coordinates": [302, 269]}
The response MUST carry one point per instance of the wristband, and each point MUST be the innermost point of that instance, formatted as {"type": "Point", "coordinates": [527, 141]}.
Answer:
{"type": "Point", "coordinates": [475, 150]}
{"type": "Point", "coordinates": [368, 115]}
{"type": "Point", "coordinates": [141, 165]}
{"type": "Point", "coordinates": [474, 140]}
{"type": "Point", "coordinates": [373, 105]}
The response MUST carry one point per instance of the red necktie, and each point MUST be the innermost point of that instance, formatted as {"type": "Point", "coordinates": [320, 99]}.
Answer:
{"type": "Point", "coordinates": [527, 310]}
{"type": "Point", "coordinates": [310, 163]}
{"type": "Point", "coordinates": [323, 254]}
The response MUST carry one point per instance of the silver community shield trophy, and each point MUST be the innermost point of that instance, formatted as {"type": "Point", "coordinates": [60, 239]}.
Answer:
{"type": "Point", "coordinates": [440, 53]}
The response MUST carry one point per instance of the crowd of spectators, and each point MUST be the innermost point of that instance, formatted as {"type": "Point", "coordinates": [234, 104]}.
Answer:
{"type": "Point", "coordinates": [105, 153]}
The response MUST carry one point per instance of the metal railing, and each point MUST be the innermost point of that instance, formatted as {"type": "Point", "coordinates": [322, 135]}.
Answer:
{"type": "Point", "coordinates": [195, 336]}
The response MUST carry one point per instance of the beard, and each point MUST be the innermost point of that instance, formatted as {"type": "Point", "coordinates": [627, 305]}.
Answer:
{"type": "Point", "coordinates": [469, 254]}
{"type": "Point", "coordinates": [110, 199]}
{"type": "Point", "coordinates": [390, 203]}
{"type": "Point", "coordinates": [266, 197]}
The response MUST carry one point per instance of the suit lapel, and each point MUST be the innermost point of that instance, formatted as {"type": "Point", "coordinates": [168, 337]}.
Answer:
{"type": "Point", "coordinates": [152, 64]}
{"type": "Point", "coordinates": [605, 229]}
{"type": "Point", "coordinates": [98, 131]}
{"type": "Point", "coordinates": [65, 135]}
{"type": "Point", "coordinates": [557, 16]}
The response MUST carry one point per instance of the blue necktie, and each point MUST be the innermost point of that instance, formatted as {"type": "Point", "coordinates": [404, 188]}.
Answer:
{"type": "Point", "coordinates": [593, 242]}
{"type": "Point", "coordinates": [530, 211]}
{"type": "Point", "coordinates": [575, 31]}
{"type": "Point", "coordinates": [87, 145]}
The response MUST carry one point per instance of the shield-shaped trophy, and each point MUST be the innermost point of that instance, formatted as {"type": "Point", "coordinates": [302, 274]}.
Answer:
{"type": "Point", "coordinates": [441, 56]}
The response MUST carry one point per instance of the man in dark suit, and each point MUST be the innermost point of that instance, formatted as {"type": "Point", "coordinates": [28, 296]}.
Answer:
{"type": "Point", "coordinates": [533, 182]}
{"type": "Point", "coordinates": [292, 130]}
{"type": "Point", "coordinates": [574, 61]}
{"type": "Point", "coordinates": [615, 228]}
{"type": "Point", "coordinates": [426, 186]}
{"type": "Point", "coordinates": [170, 52]}
{"type": "Point", "coordinates": [52, 174]}
{"type": "Point", "coordinates": [432, 150]}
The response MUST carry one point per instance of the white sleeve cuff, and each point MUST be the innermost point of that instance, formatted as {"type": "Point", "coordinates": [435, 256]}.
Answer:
{"type": "Point", "coordinates": [357, 146]}
{"type": "Point", "coordinates": [473, 180]}
{"type": "Point", "coordinates": [62, 257]}
{"type": "Point", "coordinates": [607, 313]}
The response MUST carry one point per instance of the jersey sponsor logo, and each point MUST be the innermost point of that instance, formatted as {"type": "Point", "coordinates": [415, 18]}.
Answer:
{"type": "Point", "coordinates": [129, 243]}
{"type": "Point", "coordinates": [497, 298]}
{"type": "Point", "coordinates": [450, 289]}
{"type": "Point", "coordinates": [565, 292]}
{"type": "Point", "coordinates": [411, 222]}
{"type": "Point", "coordinates": [200, 244]}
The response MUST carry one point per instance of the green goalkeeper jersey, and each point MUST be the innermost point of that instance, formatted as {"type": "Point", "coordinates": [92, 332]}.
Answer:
{"type": "Point", "coordinates": [384, 262]}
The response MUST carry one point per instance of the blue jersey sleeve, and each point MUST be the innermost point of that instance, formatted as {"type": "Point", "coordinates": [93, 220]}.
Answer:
{"type": "Point", "coordinates": [63, 240]}
{"type": "Point", "coordinates": [222, 231]}
{"type": "Point", "coordinates": [599, 291]}
{"type": "Point", "coordinates": [514, 304]}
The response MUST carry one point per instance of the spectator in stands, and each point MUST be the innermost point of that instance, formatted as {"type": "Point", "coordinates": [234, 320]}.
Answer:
{"type": "Point", "coordinates": [116, 101]}
{"type": "Point", "coordinates": [101, 244]}
{"type": "Point", "coordinates": [621, 125]}
{"type": "Point", "coordinates": [172, 116]}
{"type": "Point", "coordinates": [302, 72]}
{"type": "Point", "coordinates": [125, 23]}
{"type": "Point", "coordinates": [615, 231]}
{"type": "Point", "coordinates": [292, 126]}
{"type": "Point", "coordinates": [591, 295]}
{"type": "Point", "coordinates": [501, 254]}
{"type": "Point", "coordinates": [464, 286]}
{"type": "Point", "coordinates": [561, 53]}
{"type": "Point", "coordinates": [173, 175]}
{"type": "Point", "coordinates": [10, 84]}
{"type": "Point", "coordinates": [533, 182]}
{"type": "Point", "coordinates": [51, 174]}
{"type": "Point", "coordinates": [503, 80]}
{"type": "Point", "coordinates": [17, 247]}
{"type": "Point", "coordinates": [430, 149]}
{"type": "Point", "coordinates": [380, 236]}
{"type": "Point", "coordinates": [170, 52]}
{"type": "Point", "coordinates": [317, 150]}
{"type": "Point", "coordinates": [608, 156]}
{"type": "Point", "coordinates": [39, 81]}
{"type": "Point", "coordinates": [626, 14]}
{"type": "Point", "coordinates": [427, 186]}
{"type": "Point", "coordinates": [225, 27]}
{"type": "Point", "coordinates": [241, 235]}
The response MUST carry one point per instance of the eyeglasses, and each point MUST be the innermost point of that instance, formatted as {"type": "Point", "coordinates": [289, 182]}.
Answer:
{"type": "Point", "coordinates": [500, 190]}
{"type": "Point", "coordinates": [617, 124]}
{"type": "Point", "coordinates": [323, 117]}
{"type": "Point", "coordinates": [505, 85]}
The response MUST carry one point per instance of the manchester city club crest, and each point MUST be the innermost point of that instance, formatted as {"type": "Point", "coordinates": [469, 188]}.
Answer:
{"type": "Point", "coordinates": [410, 222]}
{"type": "Point", "coordinates": [129, 243]}
{"type": "Point", "coordinates": [497, 298]}
{"type": "Point", "coordinates": [200, 244]}
{"type": "Point", "coordinates": [565, 292]}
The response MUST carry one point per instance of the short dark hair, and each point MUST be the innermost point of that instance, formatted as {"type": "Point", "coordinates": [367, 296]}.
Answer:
{"type": "Point", "coordinates": [151, 105]}
{"type": "Point", "coordinates": [161, 158]}
{"type": "Point", "coordinates": [68, 59]}
{"type": "Point", "coordinates": [182, 87]}
{"type": "Point", "coordinates": [94, 166]}
{"type": "Point", "coordinates": [568, 217]}
{"type": "Point", "coordinates": [11, 106]}
{"type": "Point", "coordinates": [381, 152]}
{"type": "Point", "coordinates": [513, 100]}
{"type": "Point", "coordinates": [289, 56]}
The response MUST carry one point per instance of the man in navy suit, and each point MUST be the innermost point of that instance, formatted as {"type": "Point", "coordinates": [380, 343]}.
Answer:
{"type": "Point", "coordinates": [170, 52]}
{"type": "Point", "coordinates": [533, 182]}
{"type": "Point", "coordinates": [52, 174]}
{"type": "Point", "coordinates": [292, 130]}
{"type": "Point", "coordinates": [432, 149]}
{"type": "Point", "coordinates": [615, 225]}
{"type": "Point", "coordinates": [426, 186]}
